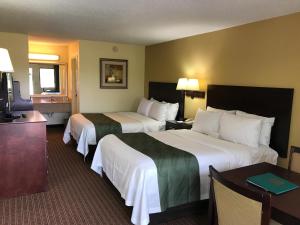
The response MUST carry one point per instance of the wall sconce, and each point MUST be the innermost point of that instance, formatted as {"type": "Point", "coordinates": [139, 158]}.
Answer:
{"type": "Point", "coordinates": [190, 87]}
{"type": "Point", "coordinates": [37, 56]}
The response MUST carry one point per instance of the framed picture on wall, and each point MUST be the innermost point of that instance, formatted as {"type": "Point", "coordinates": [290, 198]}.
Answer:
{"type": "Point", "coordinates": [113, 73]}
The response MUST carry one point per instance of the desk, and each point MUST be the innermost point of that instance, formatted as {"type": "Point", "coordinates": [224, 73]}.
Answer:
{"type": "Point", "coordinates": [285, 207]}
{"type": "Point", "coordinates": [23, 155]}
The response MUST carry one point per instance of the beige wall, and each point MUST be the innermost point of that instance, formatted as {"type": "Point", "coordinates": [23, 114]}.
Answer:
{"type": "Point", "coordinates": [94, 99]}
{"type": "Point", "coordinates": [265, 53]}
{"type": "Point", "coordinates": [17, 45]}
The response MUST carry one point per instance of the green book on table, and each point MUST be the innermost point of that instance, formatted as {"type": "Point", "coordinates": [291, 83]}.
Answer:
{"type": "Point", "coordinates": [272, 183]}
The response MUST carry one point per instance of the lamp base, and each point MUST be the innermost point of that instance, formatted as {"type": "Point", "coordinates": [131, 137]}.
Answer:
{"type": "Point", "coordinates": [195, 94]}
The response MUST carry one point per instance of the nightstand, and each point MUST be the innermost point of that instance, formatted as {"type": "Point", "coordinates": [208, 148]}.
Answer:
{"type": "Point", "coordinates": [174, 125]}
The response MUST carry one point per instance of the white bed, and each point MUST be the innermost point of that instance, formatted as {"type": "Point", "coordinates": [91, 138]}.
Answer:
{"type": "Point", "coordinates": [135, 175]}
{"type": "Point", "coordinates": [83, 130]}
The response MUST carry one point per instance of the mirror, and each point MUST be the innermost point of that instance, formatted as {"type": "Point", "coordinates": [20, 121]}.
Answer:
{"type": "Point", "coordinates": [45, 78]}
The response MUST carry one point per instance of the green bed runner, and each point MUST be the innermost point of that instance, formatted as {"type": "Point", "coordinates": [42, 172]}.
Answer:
{"type": "Point", "coordinates": [103, 124]}
{"type": "Point", "coordinates": [177, 170]}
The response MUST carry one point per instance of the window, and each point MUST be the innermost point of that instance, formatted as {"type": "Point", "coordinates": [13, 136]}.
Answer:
{"type": "Point", "coordinates": [47, 78]}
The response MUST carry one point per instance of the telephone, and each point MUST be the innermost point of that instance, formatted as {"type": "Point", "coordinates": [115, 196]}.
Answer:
{"type": "Point", "coordinates": [189, 120]}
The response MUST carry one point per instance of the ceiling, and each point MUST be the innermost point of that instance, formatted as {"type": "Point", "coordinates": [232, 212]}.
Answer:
{"type": "Point", "coordinates": [142, 22]}
{"type": "Point", "coordinates": [42, 40]}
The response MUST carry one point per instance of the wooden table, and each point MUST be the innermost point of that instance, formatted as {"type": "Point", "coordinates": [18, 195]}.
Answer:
{"type": "Point", "coordinates": [285, 207]}
{"type": "Point", "coordinates": [23, 155]}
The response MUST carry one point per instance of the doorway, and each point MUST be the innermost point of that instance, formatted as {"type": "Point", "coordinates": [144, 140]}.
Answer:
{"type": "Point", "coordinates": [75, 92]}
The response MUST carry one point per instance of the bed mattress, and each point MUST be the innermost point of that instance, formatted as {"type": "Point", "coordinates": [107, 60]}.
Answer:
{"type": "Point", "coordinates": [135, 175]}
{"type": "Point", "coordinates": [83, 130]}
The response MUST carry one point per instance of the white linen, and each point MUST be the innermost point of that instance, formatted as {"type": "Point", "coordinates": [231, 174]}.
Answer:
{"type": "Point", "coordinates": [144, 107]}
{"type": "Point", "coordinates": [135, 175]}
{"type": "Point", "coordinates": [172, 110]}
{"type": "Point", "coordinates": [267, 124]}
{"type": "Point", "coordinates": [83, 130]}
{"type": "Point", "coordinates": [207, 122]}
{"type": "Point", "coordinates": [240, 129]}
{"type": "Point", "coordinates": [158, 111]}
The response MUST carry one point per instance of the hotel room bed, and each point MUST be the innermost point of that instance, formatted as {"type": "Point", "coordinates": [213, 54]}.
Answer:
{"type": "Point", "coordinates": [135, 175]}
{"type": "Point", "coordinates": [83, 130]}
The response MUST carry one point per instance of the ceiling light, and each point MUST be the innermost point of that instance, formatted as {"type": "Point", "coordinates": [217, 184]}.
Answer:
{"type": "Point", "coordinates": [36, 56]}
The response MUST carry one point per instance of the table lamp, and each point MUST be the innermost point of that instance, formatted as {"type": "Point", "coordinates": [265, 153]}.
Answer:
{"type": "Point", "coordinates": [5, 62]}
{"type": "Point", "coordinates": [190, 87]}
{"type": "Point", "coordinates": [7, 68]}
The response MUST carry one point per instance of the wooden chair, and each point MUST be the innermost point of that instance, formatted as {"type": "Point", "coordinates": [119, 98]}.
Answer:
{"type": "Point", "coordinates": [294, 160]}
{"type": "Point", "coordinates": [231, 204]}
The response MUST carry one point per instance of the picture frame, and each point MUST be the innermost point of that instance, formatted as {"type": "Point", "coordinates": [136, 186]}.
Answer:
{"type": "Point", "coordinates": [113, 73]}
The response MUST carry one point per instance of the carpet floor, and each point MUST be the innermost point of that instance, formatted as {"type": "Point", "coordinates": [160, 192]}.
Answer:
{"type": "Point", "coordinates": [76, 195]}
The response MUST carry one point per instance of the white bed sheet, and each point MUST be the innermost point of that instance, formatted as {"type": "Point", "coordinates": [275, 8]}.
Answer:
{"type": "Point", "coordinates": [135, 175]}
{"type": "Point", "coordinates": [83, 130]}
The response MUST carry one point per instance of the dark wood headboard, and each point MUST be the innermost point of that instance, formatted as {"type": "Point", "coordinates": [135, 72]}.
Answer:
{"type": "Point", "coordinates": [269, 102]}
{"type": "Point", "coordinates": [167, 92]}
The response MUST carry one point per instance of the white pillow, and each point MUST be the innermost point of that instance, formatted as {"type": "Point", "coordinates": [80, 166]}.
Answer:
{"type": "Point", "coordinates": [240, 129]}
{"type": "Point", "coordinates": [153, 100]}
{"type": "Point", "coordinates": [158, 111]}
{"type": "Point", "coordinates": [211, 109]}
{"type": "Point", "coordinates": [172, 110]}
{"type": "Point", "coordinates": [144, 106]}
{"type": "Point", "coordinates": [267, 124]}
{"type": "Point", "coordinates": [207, 122]}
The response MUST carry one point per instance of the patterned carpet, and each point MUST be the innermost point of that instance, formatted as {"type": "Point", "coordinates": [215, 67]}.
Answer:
{"type": "Point", "coordinates": [76, 195]}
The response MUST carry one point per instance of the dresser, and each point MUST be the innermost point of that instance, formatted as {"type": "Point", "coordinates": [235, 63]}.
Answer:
{"type": "Point", "coordinates": [23, 155]}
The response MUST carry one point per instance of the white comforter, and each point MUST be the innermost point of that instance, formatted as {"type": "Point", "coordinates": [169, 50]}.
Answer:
{"type": "Point", "coordinates": [135, 175]}
{"type": "Point", "coordinates": [83, 130]}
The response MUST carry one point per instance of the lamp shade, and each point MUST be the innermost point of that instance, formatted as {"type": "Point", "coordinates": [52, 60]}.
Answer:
{"type": "Point", "coordinates": [192, 85]}
{"type": "Point", "coordinates": [5, 62]}
{"type": "Point", "coordinates": [182, 84]}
